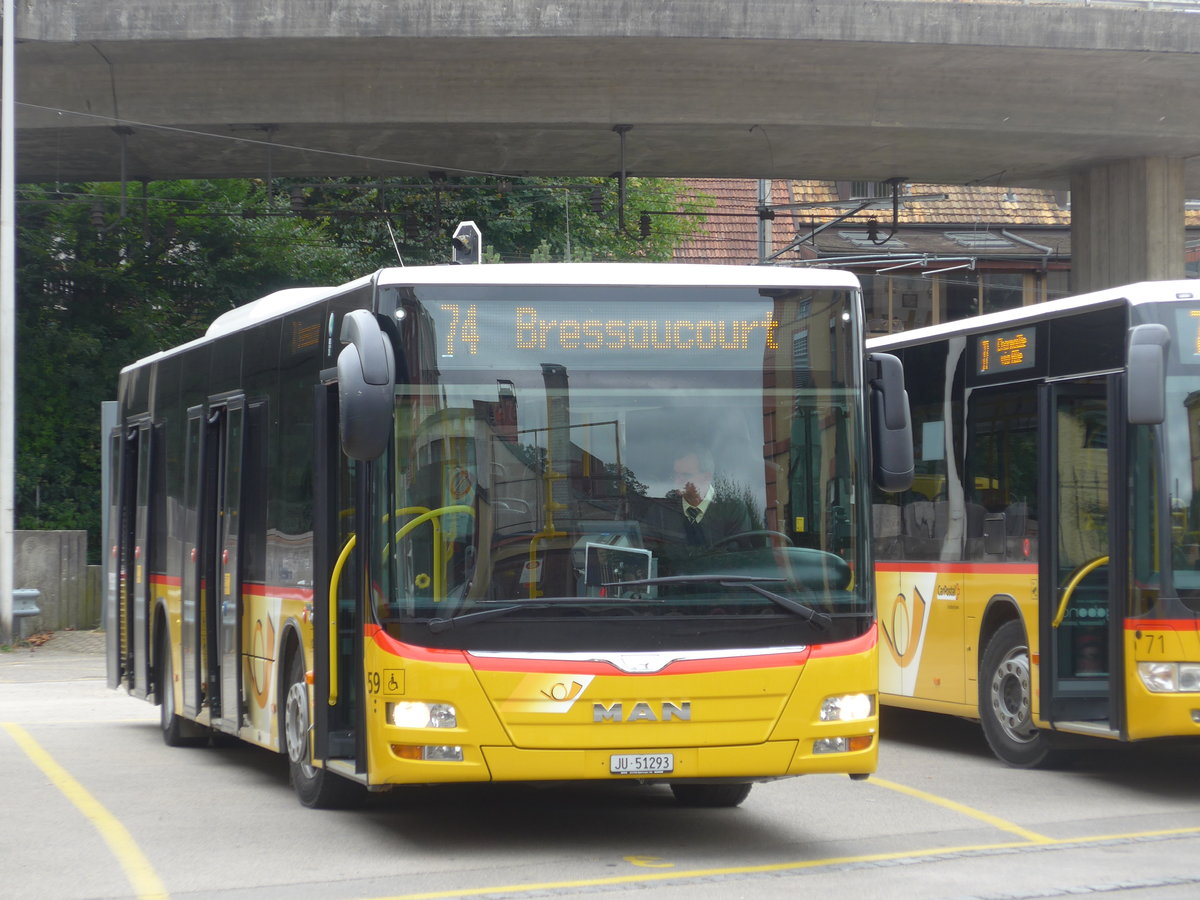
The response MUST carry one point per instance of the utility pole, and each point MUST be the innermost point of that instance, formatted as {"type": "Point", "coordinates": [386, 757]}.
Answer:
{"type": "Point", "coordinates": [8, 324]}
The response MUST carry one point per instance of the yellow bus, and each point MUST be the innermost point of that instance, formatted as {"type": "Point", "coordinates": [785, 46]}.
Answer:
{"type": "Point", "coordinates": [513, 523]}
{"type": "Point", "coordinates": [1050, 588]}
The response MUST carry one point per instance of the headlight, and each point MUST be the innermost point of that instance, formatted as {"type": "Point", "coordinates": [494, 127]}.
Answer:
{"type": "Point", "coordinates": [414, 714]}
{"type": "Point", "coordinates": [1170, 677]}
{"type": "Point", "coordinates": [847, 707]}
{"type": "Point", "coordinates": [1189, 676]}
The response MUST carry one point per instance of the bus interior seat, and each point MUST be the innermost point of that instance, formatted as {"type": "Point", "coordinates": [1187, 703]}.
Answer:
{"type": "Point", "coordinates": [885, 520]}
{"type": "Point", "coordinates": [925, 524]}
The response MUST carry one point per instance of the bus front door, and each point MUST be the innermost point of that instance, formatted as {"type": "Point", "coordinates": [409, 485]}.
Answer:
{"type": "Point", "coordinates": [341, 541]}
{"type": "Point", "coordinates": [1079, 569]}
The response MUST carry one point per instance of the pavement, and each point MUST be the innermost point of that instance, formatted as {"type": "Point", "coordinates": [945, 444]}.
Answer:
{"type": "Point", "coordinates": [55, 656]}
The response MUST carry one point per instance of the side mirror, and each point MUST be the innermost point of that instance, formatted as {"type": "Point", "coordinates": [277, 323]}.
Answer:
{"type": "Point", "coordinates": [891, 424]}
{"type": "Point", "coordinates": [1146, 382]}
{"type": "Point", "coordinates": [366, 370]}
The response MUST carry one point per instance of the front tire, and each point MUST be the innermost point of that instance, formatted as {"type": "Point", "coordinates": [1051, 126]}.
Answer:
{"type": "Point", "coordinates": [711, 796]}
{"type": "Point", "coordinates": [1006, 702]}
{"type": "Point", "coordinates": [315, 788]}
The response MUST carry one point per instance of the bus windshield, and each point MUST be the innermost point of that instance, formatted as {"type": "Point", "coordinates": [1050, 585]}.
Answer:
{"type": "Point", "coordinates": [679, 458]}
{"type": "Point", "coordinates": [1181, 436]}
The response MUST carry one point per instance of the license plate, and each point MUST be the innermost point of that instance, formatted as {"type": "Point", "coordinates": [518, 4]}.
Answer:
{"type": "Point", "coordinates": [641, 763]}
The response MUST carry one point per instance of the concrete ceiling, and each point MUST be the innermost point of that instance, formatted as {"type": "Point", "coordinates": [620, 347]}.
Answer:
{"type": "Point", "coordinates": [992, 93]}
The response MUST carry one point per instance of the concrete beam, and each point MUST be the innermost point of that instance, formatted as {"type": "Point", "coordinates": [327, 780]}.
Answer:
{"type": "Point", "coordinates": [1127, 223]}
{"type": "Point", "coordinates": [858, 89]}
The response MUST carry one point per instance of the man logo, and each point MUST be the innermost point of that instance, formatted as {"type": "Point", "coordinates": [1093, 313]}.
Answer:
{"type": "Point", "coordinates": [643, 712]}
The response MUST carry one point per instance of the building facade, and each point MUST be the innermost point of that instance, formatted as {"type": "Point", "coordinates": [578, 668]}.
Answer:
{"type": "Point", "coordinates": [924, 253]}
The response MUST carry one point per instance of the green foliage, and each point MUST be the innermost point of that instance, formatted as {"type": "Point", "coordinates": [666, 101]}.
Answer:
{"type": "Point", "coordinates": [104, 279]}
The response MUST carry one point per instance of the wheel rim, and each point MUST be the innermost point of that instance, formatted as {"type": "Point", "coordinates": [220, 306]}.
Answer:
{"type": "Point", "coordinates": [1011, 696]}
{"type": "Point", "coordinates": [296, 727]}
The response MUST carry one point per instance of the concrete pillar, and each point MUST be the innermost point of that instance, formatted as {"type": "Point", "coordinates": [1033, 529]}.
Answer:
{"type": "Point", "coordinates": [1127, 223]}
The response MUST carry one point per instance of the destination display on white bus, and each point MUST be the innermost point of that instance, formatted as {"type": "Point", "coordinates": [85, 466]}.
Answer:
{"type": "Point", "coordinates": [1005, 351]}
{"type": "Point", "coordinates": [1187, 327]}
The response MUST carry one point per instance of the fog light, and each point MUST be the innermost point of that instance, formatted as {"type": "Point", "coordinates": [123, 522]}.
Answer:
{"type": "Point", "coordinates": [426, 753]}
{"type": "Point", "coordinates": [843, 744]}
{"type": "Point", "coordinates": [847, 707]}
{"type": "Point", "coordinates": [831, 745]}
{"type": "Point", "coordinates": [413, 714]}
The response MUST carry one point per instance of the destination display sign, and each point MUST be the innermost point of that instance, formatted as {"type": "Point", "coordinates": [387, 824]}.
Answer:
{"type": "Point", "coordinates": [1005, 351]}
{"type": "Point", "coordinates": [1187, 327]}
{"type": "Point", "coordinates": [542, 330]}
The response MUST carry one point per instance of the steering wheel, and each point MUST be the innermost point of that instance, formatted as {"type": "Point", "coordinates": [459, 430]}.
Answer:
{"type": "Point", "coordinates": [781, 539]}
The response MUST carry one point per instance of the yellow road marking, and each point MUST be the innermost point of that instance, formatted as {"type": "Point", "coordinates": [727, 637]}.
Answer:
{"type": "Point", "coordinates": [680, 876]}
{"type": "Point", "coordinates": [141, 874]}
{"type": "Point", "coordinates": [644, 877]}
{"type": "Point", "coordinates": [994, 821]}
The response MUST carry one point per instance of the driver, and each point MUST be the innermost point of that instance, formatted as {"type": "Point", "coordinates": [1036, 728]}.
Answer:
{"type": "Point", "coordinates": [701, 511]}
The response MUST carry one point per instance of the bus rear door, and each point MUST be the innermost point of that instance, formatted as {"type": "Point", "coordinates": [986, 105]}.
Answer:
{"type": "Point", "coordinates": [129, 622]}
{"type": "Point", "coordinates": [217, 583]}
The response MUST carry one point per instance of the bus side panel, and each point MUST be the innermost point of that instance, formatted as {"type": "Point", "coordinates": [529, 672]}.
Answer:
{"type": "Point", "coordinates": [931, 620]}
{"type": "Point", "coordinates": [921, 617]}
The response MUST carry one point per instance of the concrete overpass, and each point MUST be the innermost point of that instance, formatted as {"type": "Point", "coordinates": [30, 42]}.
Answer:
{"type": "Point", "coordinates": [1097, 98]}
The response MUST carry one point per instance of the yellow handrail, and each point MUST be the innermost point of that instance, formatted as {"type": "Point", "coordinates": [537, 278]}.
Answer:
{"type": "Point", "coordinates": [434, 516]}
{"type": "Point", "coordinates": [1087, 569]}
{"type": "Point", "coordinates": [334, 579]}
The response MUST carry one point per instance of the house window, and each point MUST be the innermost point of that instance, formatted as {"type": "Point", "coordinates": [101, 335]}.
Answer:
{"type": "Point", "coordinates": [1002, 290]}
{"type": "Point", "coordinates": [862, 190]}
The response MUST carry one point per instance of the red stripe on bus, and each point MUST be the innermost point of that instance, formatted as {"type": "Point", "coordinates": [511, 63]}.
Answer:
{"type": "Point", "coordinates": [598, 667]}
{"type": "Point", "coordinates": [1162, 624]}
{"type": "Point", "coordinates": [389, 644]}
{"type": "Point", "coordinates": [847, 648]}
{"type": "Point", "coordinates": [730, 664]}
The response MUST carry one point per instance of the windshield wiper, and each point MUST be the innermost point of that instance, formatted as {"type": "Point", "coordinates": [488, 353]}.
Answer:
{"type": "Point", "coordinates": [438, 625]}
{"type": "Point", "coordinates": [750, 582]}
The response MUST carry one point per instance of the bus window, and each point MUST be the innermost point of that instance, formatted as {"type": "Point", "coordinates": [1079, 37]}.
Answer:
{"type": "Point", "coordinates": [1002, 473]}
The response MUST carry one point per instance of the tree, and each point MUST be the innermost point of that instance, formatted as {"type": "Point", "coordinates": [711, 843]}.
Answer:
{"type": "Point", "coordinates": [531, 219]}
{"type": "Point", "coordinates": [105, 278]}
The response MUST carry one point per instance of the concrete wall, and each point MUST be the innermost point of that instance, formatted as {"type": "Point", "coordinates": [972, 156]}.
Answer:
{"type": "Point", "coordinates": [55, 562]}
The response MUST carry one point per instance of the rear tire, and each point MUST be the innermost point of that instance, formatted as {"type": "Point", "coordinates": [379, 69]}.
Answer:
{"type": "Point", "coordinates": [1006, 702]}
{"type": "Point", "coordinates": [315, 788]}
{"type": "Point", "coordinates": [176, 731]}
{"type": "Point", "coordinates": [710, 795]}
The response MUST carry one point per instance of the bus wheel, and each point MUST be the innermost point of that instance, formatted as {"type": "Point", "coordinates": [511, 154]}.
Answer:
{"type": "Point", "coordinates": [710, 795]}
{"type": "Point", "coordinates": [316, 788]}
{"type": "Point", "coordinates": [176, 731]}
{"type": "Point", "coordinates": [1006, 701]}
